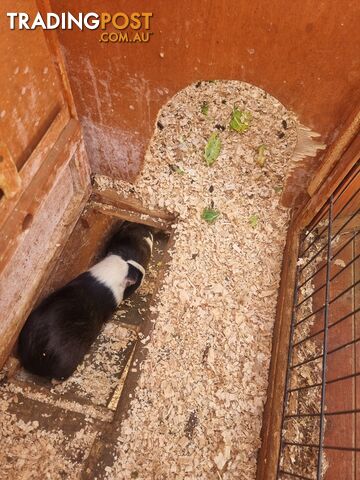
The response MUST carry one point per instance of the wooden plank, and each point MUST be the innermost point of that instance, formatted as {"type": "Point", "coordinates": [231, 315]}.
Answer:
{"type": "Point", "coordinates": [308, 174]}
{"type": "Point", "coordinates": [54, 47]}
{"type": "Point", "coordinates": [10, 182]}
{"type": "Point", "coordinates": [333, 155]}
{"type": "Point", "coordinates": [35, 194]}
{"type": "Point", "coordinates": [35, 161]}
{"type": "Point", "coordinates": [82, 248]}
{"type": "Point", "coordinates": [114, 198]}
{"type": "Point", "coordinates": [30, 89]}
{"type": "Point", "coordinates": [349, 159]}
{"type": "Point", "coordinates": [80, 170]}
{"type": "Point", "coordinates": [269, 452]}
{"type": "Point", "coordinates": [11, 321]}
{"type": "Point", "coordinates": [129, 216]}
{"type": "Point", "coordinates": [354, 223]}
{"type": "Point", "coordinates": [44, 146]}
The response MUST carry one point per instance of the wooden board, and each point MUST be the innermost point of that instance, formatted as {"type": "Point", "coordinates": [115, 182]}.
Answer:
{"type": "Point", "coordinates": [30, 254]}
{"type": "Point", "coordinates": [349, 131]}
{"type": "Point", "coordinates": [31, 94]}
{"type": "Point", "coordinates": [34, 162]}
{"type": "Point", "coordinates": [111, 202]}
{"type": "Point", "coordinates": [35, 195]}
{"type": "Point", "coordinates": [268, 456]}
{"type": "Point", "coordinates": [82, 247]}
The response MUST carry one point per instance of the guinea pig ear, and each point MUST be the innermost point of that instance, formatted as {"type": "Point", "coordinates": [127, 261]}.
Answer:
{"type": "Point", "coordinates": [130, 280]}
{"type": "Point", "coordinates": [133, 277]}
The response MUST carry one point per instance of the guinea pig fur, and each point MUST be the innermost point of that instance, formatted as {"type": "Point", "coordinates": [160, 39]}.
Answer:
{"type": "Point", "coordinates": [60, 331]}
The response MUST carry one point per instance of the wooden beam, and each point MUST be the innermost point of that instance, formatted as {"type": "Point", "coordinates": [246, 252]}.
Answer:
{"type": "Point", "coordinates": [334, 154]}
{"type": "Point", "coordinates": [348, 160]}
{"type": "Point", "coordinates": [114, 198]}
{"type": "Point", "coordinates": [12, 320]}
{"type": "Point", "coordinates": [269, 452]}
{"type": "Point", "coordinates": [125, 214]}
{"type": "Point", "coordinates": [34, 162]}
{"type": "Point", "coordinates": [54, 47]}
{"type": "Point", "coordinates": [111, 202]}
{"type": "Point", "coordinates": [10, 181]}
{"type": "Point", "coordinates": [35, 195]}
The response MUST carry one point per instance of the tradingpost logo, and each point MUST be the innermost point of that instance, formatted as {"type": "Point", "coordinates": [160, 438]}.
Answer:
{"type": "Point", "coordinates": [116, 27]}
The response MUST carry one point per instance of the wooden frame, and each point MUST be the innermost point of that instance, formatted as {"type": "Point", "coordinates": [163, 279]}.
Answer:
{"type": "Point", "coordinates": [349, 131]}
{"type": "Point", "coordinates": [338, 161]}
{"type": "Point", "coordinates": [60, 167]}
{"type": "Point", "coordinates": [35, 194]}
{"type": "Point", "coordinates": [56, 170]}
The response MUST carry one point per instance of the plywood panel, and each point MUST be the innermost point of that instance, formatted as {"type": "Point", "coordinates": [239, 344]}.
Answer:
{"type": "Point", "coordinates": [31, 201]}
{"type": "Point", "coordinates": [33, 164]}
{"type": "Point", "coordinates": [30, 90]}
{"type": "Point", "coordinates": [300, 52]}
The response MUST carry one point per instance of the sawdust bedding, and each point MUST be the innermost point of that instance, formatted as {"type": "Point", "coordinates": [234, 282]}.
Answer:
{"type": "Point", "coordinates": [198, 407]}
{"type": "Point", "coordinates": [97, 377]}
{"type": "Point", "coordinates": [30, 450]}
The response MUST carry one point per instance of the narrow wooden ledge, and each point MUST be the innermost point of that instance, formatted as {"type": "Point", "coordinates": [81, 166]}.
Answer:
{"type": "Point", "coordinates": [111, 202]}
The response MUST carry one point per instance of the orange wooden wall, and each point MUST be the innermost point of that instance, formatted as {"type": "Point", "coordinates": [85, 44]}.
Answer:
{"type": "Point", "coordinates": [304, 53]}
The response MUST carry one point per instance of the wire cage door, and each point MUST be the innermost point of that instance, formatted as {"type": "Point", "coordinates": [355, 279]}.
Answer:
{"type": "Point", "coordinates": [320, 436]}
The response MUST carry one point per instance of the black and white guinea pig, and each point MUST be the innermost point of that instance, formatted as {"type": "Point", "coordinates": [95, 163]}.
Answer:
{"type": "Point", "coordinates": [60, 331]}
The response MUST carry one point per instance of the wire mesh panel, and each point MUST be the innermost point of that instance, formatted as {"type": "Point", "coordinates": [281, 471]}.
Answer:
{"type": "Point", "coordinates": [320, 436]}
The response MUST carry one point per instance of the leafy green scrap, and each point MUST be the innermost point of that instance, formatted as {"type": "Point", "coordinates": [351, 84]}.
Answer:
{"type": "Point", "coordinates": [254, 220]}
{"type": "Point", "coordinates": [212, 149]}
{"type": "Point", "coordinates": [177, 169]}
{"type": "Point", "coordinates": [240, 120]}
{"type": "Point", "coordinates": [205, 108]}
{"type": "Point", "coordinates": [210, 215]}
{"type": "Point", "coordinates": [261, 157]}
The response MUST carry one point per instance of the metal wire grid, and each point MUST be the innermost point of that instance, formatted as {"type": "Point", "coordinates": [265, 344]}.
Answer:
{"type": "Point", "coordinates": [319, 249]}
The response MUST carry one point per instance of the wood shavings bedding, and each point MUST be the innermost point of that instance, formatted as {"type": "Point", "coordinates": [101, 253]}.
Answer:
{"type": "Point", "coordinates": [198, 406]}
{"type": "Point", "coordinates": [31, 449]}
{"type": "Point", "coordinates": [97, 377]}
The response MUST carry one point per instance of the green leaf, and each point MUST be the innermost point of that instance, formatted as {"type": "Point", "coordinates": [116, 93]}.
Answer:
{"type": "Point", "coordinates": [278, 188]}
{"type": "Point", "coordinates": [240, 120]}
{"type": "Point", "coordinates": [253, 220]}
{"type": "Point", "coordinates": [205, 108]}
{"type": "Point", "coordinates": [261, 155]}
{"type": "Point", "coordinates": [212, 149]}
{"type": "Point", "coordinates": [177, 169]}
{"type": "Point", "coordinates": [210, 215]}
